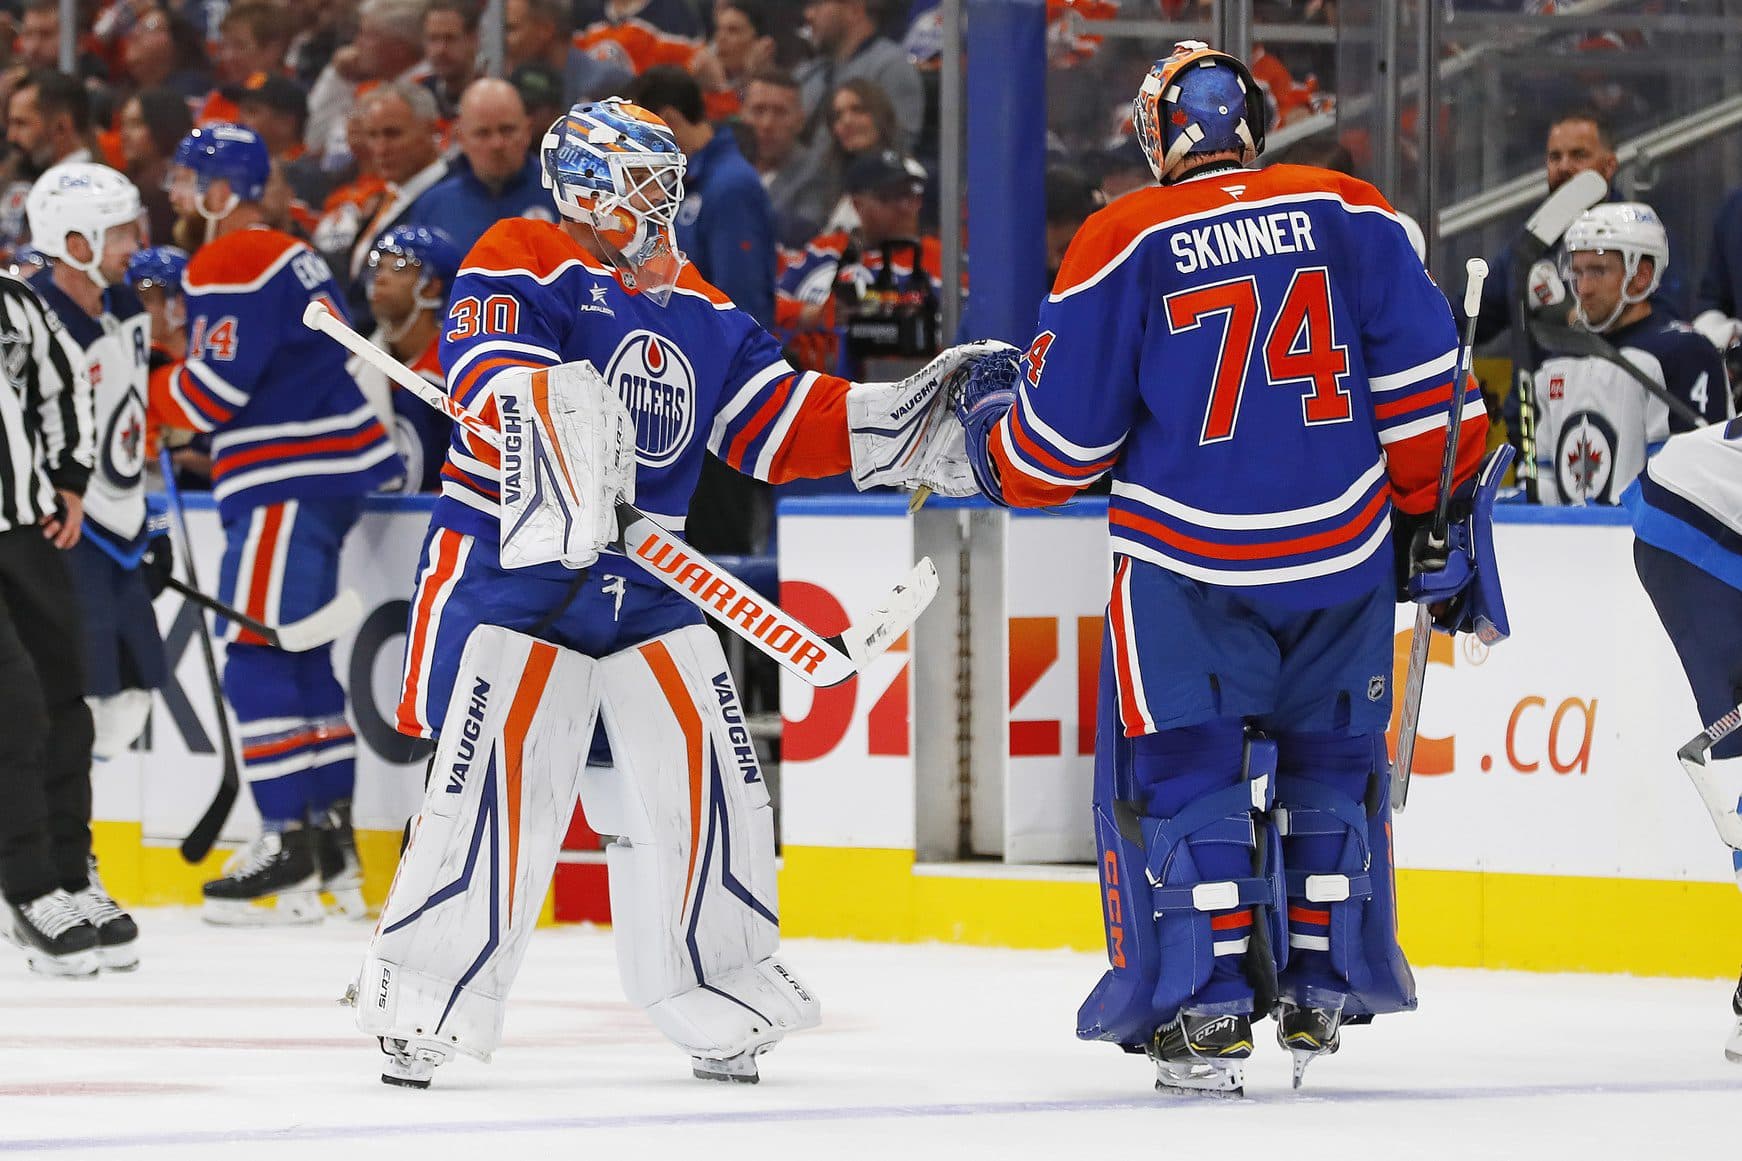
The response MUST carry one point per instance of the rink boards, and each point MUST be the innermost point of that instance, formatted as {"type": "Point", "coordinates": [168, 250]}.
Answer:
{"type": "Point", "coordinates": [1549, 826]}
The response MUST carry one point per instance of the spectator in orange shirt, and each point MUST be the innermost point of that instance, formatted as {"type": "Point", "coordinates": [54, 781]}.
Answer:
{"type": "Point", "coordinates": [253, 41]}
{"type": "Point", "coordinates": [626, 42]}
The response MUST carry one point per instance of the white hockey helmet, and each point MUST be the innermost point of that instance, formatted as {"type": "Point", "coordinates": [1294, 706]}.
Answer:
{"type": "Point", "coordinates": [84, 198]}
{"type": "Point", "coordinates": [1630, 229]}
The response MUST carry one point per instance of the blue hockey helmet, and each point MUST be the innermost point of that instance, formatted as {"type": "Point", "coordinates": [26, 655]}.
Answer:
{"type": "Point", "coordinates": [231, 152]}
{"type": "Point", "coordinates": [424, 246]}
{"type": "Point", "coordinates": [616, 167]}
{"type": "Point", "coordinates": [1198, 100]}
{"type": "Point", "coordinates": [157, 266]}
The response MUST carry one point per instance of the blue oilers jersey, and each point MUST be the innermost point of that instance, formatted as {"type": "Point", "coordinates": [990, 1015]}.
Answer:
{"type": "Point", "coordinates": [288, 421]}
{"type": "Point", "coordinates": [1265, 368]}
{"type": "Point", "coordinates": [698, 375]}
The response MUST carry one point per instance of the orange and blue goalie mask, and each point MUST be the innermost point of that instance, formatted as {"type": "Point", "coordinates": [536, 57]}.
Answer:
{"type": "Point", "coordinates": [1198, 100]}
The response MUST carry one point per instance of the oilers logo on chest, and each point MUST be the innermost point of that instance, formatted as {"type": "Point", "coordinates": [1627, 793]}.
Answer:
{"type": "Point", "coordinates": [658, 385]}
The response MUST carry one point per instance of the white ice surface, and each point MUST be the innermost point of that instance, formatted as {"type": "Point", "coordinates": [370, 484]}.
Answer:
{"type": "Point", "coordinates": [229, 1044]}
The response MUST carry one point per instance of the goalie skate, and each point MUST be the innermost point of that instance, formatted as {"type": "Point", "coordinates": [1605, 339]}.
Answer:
{"type": "Point", "coordinates": [1202, 1055]}
{"type": "Point", "coordinates": [1307, 1033]}
{"type": "Point", "coordinates": [411, 1063]}
{"type": "Point", "coordinates": [1733, 1049]}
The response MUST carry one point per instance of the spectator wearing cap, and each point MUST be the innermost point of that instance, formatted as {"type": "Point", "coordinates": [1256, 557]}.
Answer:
{"type": "Point", "coordinates": [887, 191]}
{"type": "Point", "coordinates": [253, 40]}
{"type": "Point", "coordinates": [849, 47]}
{"type": "Point", "coordinates": [388, 47]}
{"type": "Point", "coordinates": [408, 274]}
{"type": "Point", "coordinates": [450, 46]}
{"type": "Point", "coordinates": [276, 108]}
{"type": "Point", "coordinates": [725, 225]}
{"type": "Point", "coordinates": [153, 122]}
{"type": "Point", "coordinates": [541, 92]}
{"type": "Point", "coordinates": [1124, 169]}
{"type": "Point", "coordinates": [496, 176]}
{"type": "Point", "coordinates": [799, 188]}
{"type": "Point", "coordinates": [162, 50]}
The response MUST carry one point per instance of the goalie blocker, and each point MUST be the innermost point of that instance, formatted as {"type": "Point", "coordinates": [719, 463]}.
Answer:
{"type": "Point", "coordinates": [691, 855]}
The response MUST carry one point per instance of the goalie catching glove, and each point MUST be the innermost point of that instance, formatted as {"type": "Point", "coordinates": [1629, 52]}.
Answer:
{"type": "Point", "coordinates": [1459, 573]}
{"type": "Point", "coordinates": [906, 434]}
{"type": "Point", "coordinates": [568, 458]}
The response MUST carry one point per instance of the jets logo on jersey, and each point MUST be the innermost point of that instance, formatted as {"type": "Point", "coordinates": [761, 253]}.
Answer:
{"type": "Point", "coordinates": [124, 442]}
{"type": "Point", "coordinates": [658, 385]}
{"type": "Point", "coordinates": [1585, 460]}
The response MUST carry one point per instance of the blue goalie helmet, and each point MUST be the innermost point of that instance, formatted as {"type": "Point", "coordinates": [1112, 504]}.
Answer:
{"type": "Point", "coordinates": [157, 266]}
{"type": "Point", "coordinates": [616, 167]}
{"type": "Point", "coordinates": [230, 152]}
{"type": "Point", "coordinates": [427, 247]}
{"type": "Point", "coordinates": [1198, 100]}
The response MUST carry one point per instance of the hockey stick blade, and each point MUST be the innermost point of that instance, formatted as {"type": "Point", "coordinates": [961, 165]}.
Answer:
{"type": "Point", "coordinates": [1560, 339]}
{"type": "Point", "coordinates": [1544, 228]}
{"type": "Point", "coordinates": [323, 626]}
{"type": "Point", "coordinates": [1696, 759]}
{"type": "Point", "coordinates": [867, 638]}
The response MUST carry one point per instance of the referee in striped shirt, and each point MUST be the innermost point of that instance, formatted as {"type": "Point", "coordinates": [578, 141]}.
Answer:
{"type": "Point", "coordinates": [46, 453]}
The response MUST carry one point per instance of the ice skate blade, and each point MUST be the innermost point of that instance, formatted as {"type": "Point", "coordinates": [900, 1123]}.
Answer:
{"type": "Point", "coordinates": [345, 903]}
{"type": "Point", "coordinates": [1200, 1079]}
{"type": "Point", "coordinates": [410, 1064]}
{"type": "Point", "coordinates": [740, 1069]}
{"type": "Point", "coordinates": [81, 965]}
{"type": "Point", "coordinates": [1302, 1058]}
{"type": "Point", "coordinates": [1733, 1050]}
{"type": "Point", "coordinates": [118, 959]}
{"type": "Point", "coordinates": [402, 1080]}
{"type": "Point", "coordinates": [283, 910]}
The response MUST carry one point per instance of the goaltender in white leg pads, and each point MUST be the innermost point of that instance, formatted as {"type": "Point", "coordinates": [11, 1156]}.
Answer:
{"type": "Point", "coordinates": [472, 881]}
{"type": "Point", "coordinates": [692, 865]}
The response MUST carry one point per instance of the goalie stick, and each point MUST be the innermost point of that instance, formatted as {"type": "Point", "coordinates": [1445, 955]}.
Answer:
{"type": "Point", "coordinates": [1542, 232]}
{"type": "Point", "coordinates": [321, 627]}
{"type": "Point", "coordinates": [1557, 338]}
{"type": "Point", "coordinates": [199, 840]}
{"type": "Point", "coordinates": [794, 646]}
{"type": "Point", "coordinates": [1476, 271]}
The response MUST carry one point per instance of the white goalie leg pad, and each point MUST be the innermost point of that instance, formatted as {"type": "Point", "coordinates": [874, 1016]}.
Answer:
{"type": "Point", "coordinates": [692, 865]}
{"type": "Point", "coordinates": [472, 881]}
{"type": "Point", "coordinates": [117, 721]}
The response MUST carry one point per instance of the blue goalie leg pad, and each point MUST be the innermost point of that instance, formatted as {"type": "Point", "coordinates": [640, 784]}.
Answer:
{"type": "Point", "coordinates": [1174, 819]}
{"type": "Point", "coordinates": [1333, 811]}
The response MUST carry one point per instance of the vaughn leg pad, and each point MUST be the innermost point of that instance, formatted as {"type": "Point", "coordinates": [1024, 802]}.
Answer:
{"type": "Point", "coordinates": [473, 878]}
{"type": "Point", "coordinates": [692, 865]}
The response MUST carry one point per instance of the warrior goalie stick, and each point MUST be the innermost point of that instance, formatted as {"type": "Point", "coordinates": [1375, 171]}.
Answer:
{"type": "Point", "coordinates": [1557, 338]}
{"type": "Point", "coordinates": [1542, 232]}
{"type": "Point", "coordinates": [1696, 759]}
{"type": "Point", "coordinates": [1476, 271]}
{"type": "Point", "coordinates": [199, 840]}
{"type": "Point", "coordinates": [794, 646]}
{"type": "Point", "coordinates": [321, 627]}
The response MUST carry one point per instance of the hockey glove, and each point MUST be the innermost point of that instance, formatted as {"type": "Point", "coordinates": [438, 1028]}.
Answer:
{"type": "Point", "coordinates": [905, 434]}
{"type": "Point", "coordinates": [158, 564]}
{"type": "Point", "coordinates": [984, 394]}
{"type": "Point", "coordinates": [1458, 576]}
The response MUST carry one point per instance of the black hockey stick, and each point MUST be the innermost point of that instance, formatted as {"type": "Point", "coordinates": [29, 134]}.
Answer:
{"type": "Point", "coordinates": [1558, 338]}
{"type": "Point", "coordinates": [321, 627]}
{"type": "Point", "coordinates": [1476, 271]}
{"type": "Point", "coordinates": [199, 841]}
{"type": "Point", "coordinates": [1542, 232]}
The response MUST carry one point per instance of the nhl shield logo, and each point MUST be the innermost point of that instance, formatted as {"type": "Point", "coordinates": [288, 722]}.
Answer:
{"type": "Point", "coordinates": [658, 385]}
{"type": "Point", "coordinates": [1375, 687]}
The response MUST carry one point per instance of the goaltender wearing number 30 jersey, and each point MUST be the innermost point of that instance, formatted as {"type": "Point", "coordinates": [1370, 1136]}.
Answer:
{"type": "Point", "coordinates": [1271, 271]}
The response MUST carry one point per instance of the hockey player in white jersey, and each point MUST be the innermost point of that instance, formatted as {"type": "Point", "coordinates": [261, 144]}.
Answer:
{"type": "Point", "coordinates": [86, 218]}
{"type": "Point", "coordinates": [1598, 423]}
{"type": "Point", "coordinates": [547, 664]}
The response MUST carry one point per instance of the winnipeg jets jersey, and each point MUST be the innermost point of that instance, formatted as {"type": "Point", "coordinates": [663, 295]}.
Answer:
{"type": "Point", "coordinates": [1262, 363]}
{"type": "Point", "coordinates": [1597, 424]}
{"type": "Point", "coordinates": [698, 375]}
{"type": "Point", "coordinates": [1688, 501]}
{"type": "Point", "coordinates": [117, 360]}
{"type": "Point", "coordinates": [288, 421]}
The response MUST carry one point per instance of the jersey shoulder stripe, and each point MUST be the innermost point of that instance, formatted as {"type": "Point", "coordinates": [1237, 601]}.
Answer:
{"type": "Point", "coordinates": [241, 263]}
{"type": "Point", "coordinates": [1112, 235]}
{"type": "Point", "coordinates": [533, 249]}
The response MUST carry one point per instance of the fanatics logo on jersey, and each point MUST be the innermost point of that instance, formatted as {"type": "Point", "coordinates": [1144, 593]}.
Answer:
{"type": "Point", "coordinates": [658, 385]}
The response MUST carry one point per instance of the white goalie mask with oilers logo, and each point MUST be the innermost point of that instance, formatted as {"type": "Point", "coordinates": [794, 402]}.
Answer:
{"type": "Point", "coordinates": [657, 383]}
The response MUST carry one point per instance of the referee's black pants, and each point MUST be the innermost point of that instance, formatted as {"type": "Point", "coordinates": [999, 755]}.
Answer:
{"type": "Point", "coordinates": [45, 727]}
